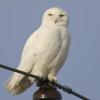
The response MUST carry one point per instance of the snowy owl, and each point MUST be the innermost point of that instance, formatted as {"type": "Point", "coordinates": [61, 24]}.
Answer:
{"type": "Point", "coordinates": [44, 52]}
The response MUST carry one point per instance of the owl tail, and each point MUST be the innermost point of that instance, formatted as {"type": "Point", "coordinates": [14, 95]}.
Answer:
{"type": "Point", "coordinates": [18, 83]}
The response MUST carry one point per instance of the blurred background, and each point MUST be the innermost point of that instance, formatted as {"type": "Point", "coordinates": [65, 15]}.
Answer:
{"type": "Point", "coordinates": [19, 18]}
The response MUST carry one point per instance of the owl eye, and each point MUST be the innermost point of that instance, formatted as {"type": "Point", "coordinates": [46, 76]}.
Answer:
{"type": "Point", "coordinates": [50, 14]}
{"type": "Point", "coordinates": [61, 15]}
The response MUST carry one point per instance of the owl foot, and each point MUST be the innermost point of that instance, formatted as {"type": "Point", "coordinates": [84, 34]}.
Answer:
{"type": "Point", "coordinates": [52, 78]}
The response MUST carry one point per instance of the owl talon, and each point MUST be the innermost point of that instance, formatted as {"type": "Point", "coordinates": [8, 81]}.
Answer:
{"type": "Point", "coordinates": [52, 78]}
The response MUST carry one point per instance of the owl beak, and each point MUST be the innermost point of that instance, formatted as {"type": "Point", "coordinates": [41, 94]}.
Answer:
{"type": "Point", "coordinates": [55, 21]}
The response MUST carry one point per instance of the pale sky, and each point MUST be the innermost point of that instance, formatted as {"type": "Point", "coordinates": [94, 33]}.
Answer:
{"type": "Point", "coordinates": [19, 18]}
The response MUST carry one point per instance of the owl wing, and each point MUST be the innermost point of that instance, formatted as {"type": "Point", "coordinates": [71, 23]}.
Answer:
{"type": "Point", "coordinates": [18, 83]}
{"type": "Point", "coordinates": [39, 51]}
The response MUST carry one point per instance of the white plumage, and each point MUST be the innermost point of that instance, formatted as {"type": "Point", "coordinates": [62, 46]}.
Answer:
{"type": "Point", "coordinates": [44, 52]}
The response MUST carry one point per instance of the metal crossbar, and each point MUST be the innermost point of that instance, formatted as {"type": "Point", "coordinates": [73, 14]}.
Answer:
{"type": "Point", "coordinates": [58, 85]}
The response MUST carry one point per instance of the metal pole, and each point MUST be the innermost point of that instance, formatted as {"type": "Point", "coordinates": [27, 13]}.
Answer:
{"type": "Point", "coordinates": [46, 92]}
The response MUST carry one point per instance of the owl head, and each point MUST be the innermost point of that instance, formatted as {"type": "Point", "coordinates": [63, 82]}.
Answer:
{"type": "Point", "coordinates": [55, 16]}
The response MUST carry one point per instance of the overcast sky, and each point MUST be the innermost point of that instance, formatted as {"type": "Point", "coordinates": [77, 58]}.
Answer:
{"type": "Point", "coordinates": [19, 18]}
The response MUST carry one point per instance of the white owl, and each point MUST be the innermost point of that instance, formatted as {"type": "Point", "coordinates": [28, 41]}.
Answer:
{"type": "Point", "coordinates": [44, 52]}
